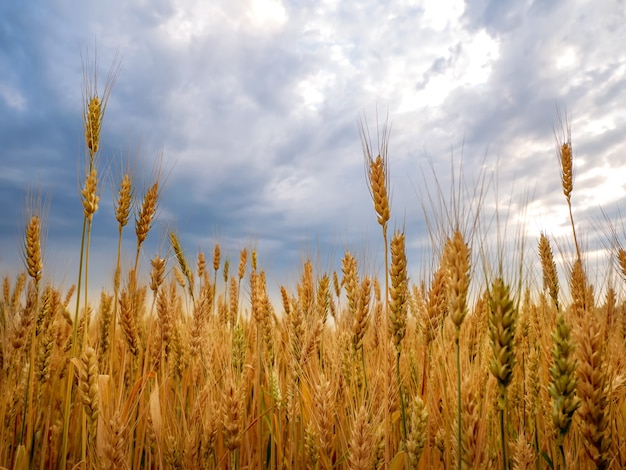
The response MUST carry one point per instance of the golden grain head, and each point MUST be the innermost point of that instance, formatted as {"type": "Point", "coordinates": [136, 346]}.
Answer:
{"type": "Point", "coordinates": [378, 181]}
{"type": "Point", "coordinates": [216, 258]}
{"type": "Point", "coordinates": [158, 272]}
{"type": "Point", "coordinates": [548, 267]}
{"type": "Point", "coordinates": [502, 322]}
{"type": "Point", "coordinates": [361, 317]}
{"type": "Point", "coordinates": [350, 280]}
{"type": "Point", "coordinates": [436, 305]}
{"type": "Point", "coordinates": [457, 259]}
{"type": "Point", "coordinates": [145, 218]}
{"type": "Point", "coordinates": [91, 199]}
{"type": "Point", "coordinates": [398, 291]}
{"type": "Point", "coordinates": [243, 259]}
{"type": "Point", "coordinates": [361, 441]}
{"type": "Point", "coordinates": [32, 250]}
{"type": "Point", "coordinates": [578, 288]}
{"type": "Point", "coordinates": [566, 169]}
{"type": "Point", "coordinates": [593, 391]}
{"type": "Point", "coordinates": [87, 371]}
{"type": "Point", "coordinates": [122, 209]}
{"type": "Point", "coordinates": [418, 430]}
{"type": "Point", "coordinates": [232, 415]}
{"type": "Point", "coordinates": [93, 123]}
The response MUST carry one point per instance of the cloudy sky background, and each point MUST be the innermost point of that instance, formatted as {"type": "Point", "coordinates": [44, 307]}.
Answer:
{"type": "Point", "coordinates": [254, 104]}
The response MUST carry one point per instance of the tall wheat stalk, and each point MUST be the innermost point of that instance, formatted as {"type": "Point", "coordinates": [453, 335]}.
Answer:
{"type": "Point", "coordinates": [457, 258]}
{"type": "Point", "coordinates": [122, 214]}
{"type": "Point", "coordinates": [93, 114]}
{"type": "Point", "coordinates": [377, 175]}
{"type": "Point", "coordinates": [566, 161]}
{"type": "Point", "coordinates": [34, 266]}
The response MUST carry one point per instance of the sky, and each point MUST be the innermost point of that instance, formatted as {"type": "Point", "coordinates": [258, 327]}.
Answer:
{"type": "Point", "coordinates": [250, 110]}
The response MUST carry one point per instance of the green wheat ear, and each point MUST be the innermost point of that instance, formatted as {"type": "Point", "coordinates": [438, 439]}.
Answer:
{"type": "Point", "coordinates": [502, 322]}
{"type": "Point", "coordinates": [562, 388]}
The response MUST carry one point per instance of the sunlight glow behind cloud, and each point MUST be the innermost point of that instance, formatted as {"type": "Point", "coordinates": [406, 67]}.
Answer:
{"type": "Point", "coordinates": [267, 14]}
{"type": "Point", "coordinates": [442, 14]}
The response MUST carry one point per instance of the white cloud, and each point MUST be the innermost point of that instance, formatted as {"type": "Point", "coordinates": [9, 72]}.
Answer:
{"type": "Point", "coordinates": [192, 19]}
{"type": "Point", "coordinates": [442, 14]}
{"type": "Point", "coordinates": [267, 14]}
{"type": "Point", "coordinates": [567, 58]}
{"type": "Point", "coordinates": [477, 58]}
{"type": "Point", "coordinates": [12, 97]}
{"type": "Point", "coordinates": [313, 89]}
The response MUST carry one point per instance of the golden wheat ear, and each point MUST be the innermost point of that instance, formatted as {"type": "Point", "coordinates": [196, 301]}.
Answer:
{"type": "Point", "coordinates": [457, 260]}
{"type": "Point", "coordinates": [548, 267]}
{"type": "Point", "coordinates": [567, 169]}
{"type": "Point", "coordinates": [377, 176]}
{"type": "Point", "coordinates": [32, 248]}
{"type": "Point", "coordinates": [360, 322]}
{"type": "Point", "coordinates": [232, 412]}
{"type": "Point", "coordinates": [417, 433]}
{"type": "Point", "coordinates": [361, 441]}
{"type": "Point", "coordinates": [87, 372]}
{"type": "Point", "coordinates": [398, 291]}
{"type": "Point", "coordinates": [95, 104]}
{"type": "Point", "coordinates": [124, 200]}
{"type": "Point", "coordinates": [146, 213]}
{"type": "Point", "coordinates": [593, 390]}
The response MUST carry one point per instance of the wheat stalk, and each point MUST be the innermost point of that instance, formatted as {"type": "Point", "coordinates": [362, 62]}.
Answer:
{"type": "Point", "coordinates": [457, 260]}
{"type": "Point", "coordinates": [34, 266]}
{"type": "Point", "coordinates": [93, 114]}
{"type": "Point", "coordinates": [377, 175]}
{"type": "Point", "coordinates": [566, 162]}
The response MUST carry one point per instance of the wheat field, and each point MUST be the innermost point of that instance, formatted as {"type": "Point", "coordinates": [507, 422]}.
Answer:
{"type": "Point", "coordinates": [189, 363]}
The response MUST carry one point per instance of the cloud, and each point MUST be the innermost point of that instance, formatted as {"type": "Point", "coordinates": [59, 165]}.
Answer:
{"type": "Point", "coordinates": [253, 106]}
